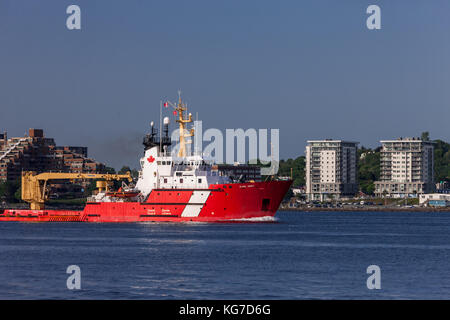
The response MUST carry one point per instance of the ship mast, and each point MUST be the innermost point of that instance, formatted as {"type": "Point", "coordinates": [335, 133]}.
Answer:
{"type": "Point", "coordinates": [181, 108]}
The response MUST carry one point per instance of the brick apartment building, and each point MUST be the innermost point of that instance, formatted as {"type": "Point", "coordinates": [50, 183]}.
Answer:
{"type": "Point", "coordinates": [37, 153]}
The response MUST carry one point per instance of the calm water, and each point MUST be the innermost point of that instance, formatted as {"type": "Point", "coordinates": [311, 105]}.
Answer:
{"type": "Point", "coordinates": [320, 255]}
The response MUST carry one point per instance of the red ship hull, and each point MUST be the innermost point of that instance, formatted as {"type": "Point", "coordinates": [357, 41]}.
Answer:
{"type": "Point", "coordinates": [226, 202]}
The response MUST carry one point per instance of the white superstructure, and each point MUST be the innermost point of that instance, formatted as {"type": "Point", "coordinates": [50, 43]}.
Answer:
{"type": "Point", "coordinates": [161, 170]}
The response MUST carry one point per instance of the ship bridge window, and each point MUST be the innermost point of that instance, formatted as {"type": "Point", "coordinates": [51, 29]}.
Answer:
{"type": "Point", "coordinates": [159, 162]}
{"type": "Point", "coordinates": [200, 180]}
{"type": "Point", "coordinates": [179, 174]}
{"type": "Point", "coordinates": [163, 163]}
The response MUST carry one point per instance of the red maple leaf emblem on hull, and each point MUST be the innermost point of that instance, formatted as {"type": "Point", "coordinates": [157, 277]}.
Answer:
{"type": "Point", "coordinates": [150, 159]}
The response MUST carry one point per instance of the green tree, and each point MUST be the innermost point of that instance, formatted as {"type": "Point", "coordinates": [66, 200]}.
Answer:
{"type": "Point", "coordinates": [91, 187]}
{"type": "Point", "coordinates": [425, 136]}
{"type": "Point", "coordinates": [18, 194]}
{"type": "Point", "coordinates": [124, 170]}
{"type": "Point", "coordinates": [368, 169]}
{"type": "Point", "coordinates": [110, 170]}
{"type": "Point", "coordinates": [8, 190]}
{"type": "Point", "coordinates": [441, 161]}
{"type": "Point", "coordinates": [134, 173]}
{"type": "Point", "coordinates": [298, 170]}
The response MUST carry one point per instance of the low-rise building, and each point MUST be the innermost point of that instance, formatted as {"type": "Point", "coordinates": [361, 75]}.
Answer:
{"type": "Point", "coordinates": [435, 199]}
{"type": "Point", "coordinates": [299, 191]}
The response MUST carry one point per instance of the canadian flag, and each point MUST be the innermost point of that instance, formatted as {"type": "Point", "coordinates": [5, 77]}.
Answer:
{"type": "Point", "coordinates": [150, 159]}
{"type": "Point", "coordinates": [174, 113]}
{"type": "Point", "coordinates": [166, 104]}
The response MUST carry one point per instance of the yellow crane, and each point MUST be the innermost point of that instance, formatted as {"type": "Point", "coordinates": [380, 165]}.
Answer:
{"type": "Point", "coordinates": [34, 185]}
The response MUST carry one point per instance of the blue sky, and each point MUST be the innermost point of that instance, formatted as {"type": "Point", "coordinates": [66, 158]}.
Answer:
{"type": "Point", "coordinates": [310, 68]}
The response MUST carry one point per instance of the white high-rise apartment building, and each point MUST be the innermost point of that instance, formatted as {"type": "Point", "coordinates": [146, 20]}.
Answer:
{"type": "Point", "coordinates": [406, 167]}
{"type": "Point", "coordinates": [331, 169]}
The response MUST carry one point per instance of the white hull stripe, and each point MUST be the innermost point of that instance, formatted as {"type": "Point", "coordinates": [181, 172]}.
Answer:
{"type": "Point", "coordinates": [196, 202]}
